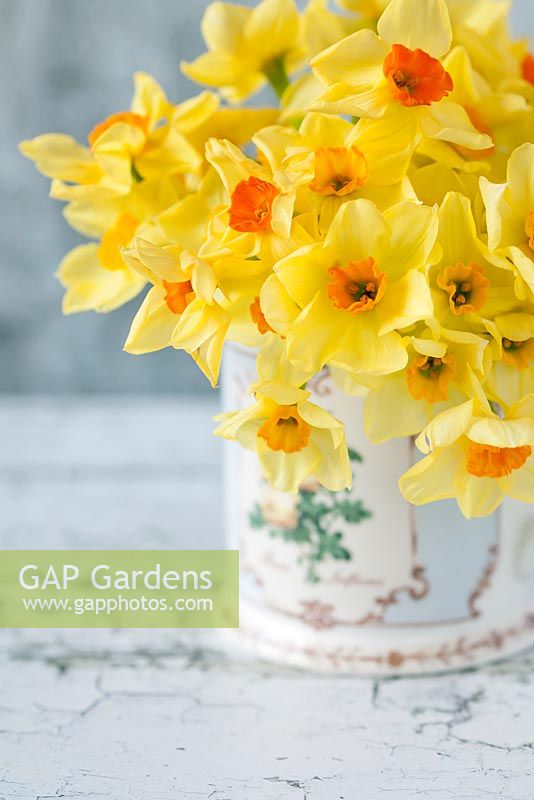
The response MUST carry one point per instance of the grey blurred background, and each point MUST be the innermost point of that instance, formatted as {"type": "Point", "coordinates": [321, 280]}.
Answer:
{"type": "Point", "coordinates": [65, 65]}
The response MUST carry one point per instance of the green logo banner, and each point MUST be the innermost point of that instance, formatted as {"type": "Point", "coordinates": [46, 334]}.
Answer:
{"type": "Point", "coordinates": [119, 589]}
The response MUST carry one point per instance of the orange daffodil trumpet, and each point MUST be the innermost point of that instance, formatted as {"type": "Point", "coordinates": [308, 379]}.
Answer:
{"type": "Point", "coordinates": [476, 457]}
{"type": "Point", "coordinates": [376, 222]}
{"type": "Point", "coordinates": [527, 68]}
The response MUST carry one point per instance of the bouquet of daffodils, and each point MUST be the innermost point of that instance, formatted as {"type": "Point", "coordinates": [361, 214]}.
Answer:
{"type": "Point", "coordinates": [378, 223]}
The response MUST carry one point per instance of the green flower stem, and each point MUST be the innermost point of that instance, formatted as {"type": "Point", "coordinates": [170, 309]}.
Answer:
{"type": "Point", "coordinates": [276, 74]}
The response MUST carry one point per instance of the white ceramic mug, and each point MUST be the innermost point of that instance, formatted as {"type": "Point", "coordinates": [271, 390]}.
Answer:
{"type": "Point", "coordinates": [361, 581]}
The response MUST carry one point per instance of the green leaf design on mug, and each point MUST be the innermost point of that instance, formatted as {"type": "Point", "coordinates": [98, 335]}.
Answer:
{"type": "Point", "coordinates": [318, 513]}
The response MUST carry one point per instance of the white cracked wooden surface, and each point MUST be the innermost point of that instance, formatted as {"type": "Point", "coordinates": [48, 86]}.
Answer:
{"type": "Point", "coordinates": [172, 715]}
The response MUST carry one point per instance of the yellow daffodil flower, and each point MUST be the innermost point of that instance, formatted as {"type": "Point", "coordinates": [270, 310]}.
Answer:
{"type": "Point", "coordinates": [293, 438]}
{"type": "Point", "coordinates": [512, 375]}
{"type": "Point", "coordinates": [181, 231]}
{"type": "Point", "coordinates": [466, 287]}
{"type": "Point", "coordinates": [139, 161]}
{"type": "Point", "coordinates": [247, 47]}
{"type": "Point", "coordinates": [132, 169]}
{"type": "Point", "coordinates": [181, 308]}
{"type": "Point", "coordinates": [95, 276]}
{"type": "Point", "coordinates": [399, 72]}
{"type": "Point", "coordinates": [352, 293]}
{"type": "Point", "coordinates": [258, 218]}
{"type": "Point", "coordinates": [510, 216]}
{"type": "Point", "coordinates": [445, 368]}
{"type": "Point", "coordinates": [143, 143]}
{"type": "Point", "coordinates": [338, 161]}
{"type": "Point", "coordinates": [476, 457]}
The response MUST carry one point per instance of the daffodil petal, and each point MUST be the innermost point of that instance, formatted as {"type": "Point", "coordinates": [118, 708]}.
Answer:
{"type": "Point", "coordinates": [457, 230]}
{"type": "Point", "coordinates": [341, 98]}
{"type": "Point", "coordinates": [204, 281]}
{"type": "Point", "coordinates": [502, 433]}
{"type": "Point", "coordinates": [57, 155]}
{"type": "Point", "coordinates": [480, 497]}
{"type": "Point", "coordinates": [286, 471]}
{"type": "Point", "coordinates": [316, 335]}
{"type": "Point", "coordinates": [408, 300]}
{"type": "Point", "coordinates": [449, 122]}
{"type": "Point", "coordinates": [279, 309]}
{"type": "Point", "coordinates": [149, 99]}
{"type": "Point", "coordinates": [358, 57]}
{"type": "Point", "coordinates": [414, 229]}
{"type": "Point", "coordinates": [520, 484]}
{"type": "Point", "coordinates": [231, 164]}
{"type": "Point", "coordinates": [521, 178]}
{"type": "Point", "coordinates": [220, 70]}
{"type": "Point", "coordinates": [334, 471]}
{"type": "Point", "coordinates": [153, 325]}
{"type": "Point", "coordinates": [223, 26]}
{"type": "Point", "coordinates": [446, 428]}
{"type": "Point", "coordinates": [358, 231]}
{"type": "Point", "coordinates": [90, 287]}
{"type": "Point", "coordinates": [272, 29]}
{"type": "Point", "coordinates": [362, 350]}
{"type": "Point", "coordinates": [409, 417]}
{"type": "Point", "coordinates": [433, 478]}
{"type": "Point", "coordinates": [414, 24]}
{"type": "Point", "coordinates": [304, 273]}
{"type": "Point", "coordinates": [387, 144]}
